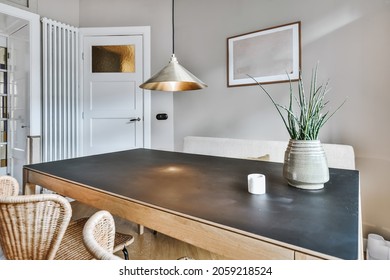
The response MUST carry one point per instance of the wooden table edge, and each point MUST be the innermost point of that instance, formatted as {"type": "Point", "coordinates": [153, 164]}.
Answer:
{"type": "Point", "coordinates": [223, 240]}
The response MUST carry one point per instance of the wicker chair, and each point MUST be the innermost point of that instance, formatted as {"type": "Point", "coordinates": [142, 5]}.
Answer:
{"type": "Point", "coordinates": [99, 235]}
{"type": "Point", "coordinates": [72, 246]}
{"type": "Point", "coordinates": [32, 226]}
{"type": "Point", "coordinates": [9, 186]}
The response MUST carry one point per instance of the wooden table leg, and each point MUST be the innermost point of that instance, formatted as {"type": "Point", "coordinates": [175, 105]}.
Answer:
{"type": "Point", "coordinates": [141, 229]}
{"type": "Point", "coordinates": [28, 188]}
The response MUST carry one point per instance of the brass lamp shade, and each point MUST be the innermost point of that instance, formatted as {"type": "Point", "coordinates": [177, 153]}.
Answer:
{"type": "Point", "coordinates": [173, 77]}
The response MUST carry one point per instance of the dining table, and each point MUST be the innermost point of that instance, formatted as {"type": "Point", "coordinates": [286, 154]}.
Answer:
{"type": "Point", "coordinates": [204, 200]}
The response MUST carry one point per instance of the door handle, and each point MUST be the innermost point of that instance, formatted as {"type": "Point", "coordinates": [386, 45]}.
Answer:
{"type": "Point", "coordinates": [134, 120]}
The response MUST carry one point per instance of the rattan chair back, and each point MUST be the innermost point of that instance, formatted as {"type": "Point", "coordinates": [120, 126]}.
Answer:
{"type": "Point", "coordinates": [9, 186]}
{"type": "Point", "coordinates": [32, 226]}
{"type": "Point", "coordinates": [99, 235]}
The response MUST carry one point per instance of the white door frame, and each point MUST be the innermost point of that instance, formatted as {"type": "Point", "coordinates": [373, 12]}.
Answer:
{"type": "Point", "coordinates": [35, 64]}
{"type": "Point", "coordinates": [143, 31]}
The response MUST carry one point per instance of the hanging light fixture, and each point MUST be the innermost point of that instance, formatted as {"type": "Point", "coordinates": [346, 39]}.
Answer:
{"type": "Point", "coordinates": [173, 77]}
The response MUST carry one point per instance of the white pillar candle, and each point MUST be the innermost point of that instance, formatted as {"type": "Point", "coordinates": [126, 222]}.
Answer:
{"type": "Point", "coordinates": [256, 183]}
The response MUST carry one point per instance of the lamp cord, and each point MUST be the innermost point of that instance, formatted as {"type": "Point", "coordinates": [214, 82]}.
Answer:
{"type": "Point", "coordinates": [173, 26]}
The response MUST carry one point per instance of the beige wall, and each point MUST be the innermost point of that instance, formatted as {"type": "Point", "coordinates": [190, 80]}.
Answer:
{"type": "Point", "coordinates": [60, 10]}
{"type": "Point", "coordinates": [349, 38]}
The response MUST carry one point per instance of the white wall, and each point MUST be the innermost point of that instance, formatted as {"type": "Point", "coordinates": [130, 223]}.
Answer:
{"type": "Point", "coordinates": [349, 38]}
{"type": "Point", "coordinates": [154, 13]}
{"type": "Point", "coordinates": [113, 13]}
{"type": "Point", "coordinates": [30, 5]}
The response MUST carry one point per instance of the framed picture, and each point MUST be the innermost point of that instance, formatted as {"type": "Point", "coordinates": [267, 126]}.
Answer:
{"type": "Point", "coordinates": [271, 55]}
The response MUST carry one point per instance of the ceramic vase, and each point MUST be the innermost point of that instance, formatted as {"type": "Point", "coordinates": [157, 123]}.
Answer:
{"type": "Point", "coordinates": [305, 165]}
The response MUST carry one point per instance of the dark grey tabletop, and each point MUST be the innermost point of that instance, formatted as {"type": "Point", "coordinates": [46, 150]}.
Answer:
{"type": "Point", "coordinates": [215, 189]}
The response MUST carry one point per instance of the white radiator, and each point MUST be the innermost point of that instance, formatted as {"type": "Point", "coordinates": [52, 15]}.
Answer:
{"type": "Point", "coordinates": [61, 113]}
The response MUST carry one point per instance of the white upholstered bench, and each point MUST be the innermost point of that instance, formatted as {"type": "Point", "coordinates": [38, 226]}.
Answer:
{"type": "Point", "coordinates": [338, 156]}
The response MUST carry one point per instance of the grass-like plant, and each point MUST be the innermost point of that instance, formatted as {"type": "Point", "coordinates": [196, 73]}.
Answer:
{"type": "Point", "coordinates": [311, 116]}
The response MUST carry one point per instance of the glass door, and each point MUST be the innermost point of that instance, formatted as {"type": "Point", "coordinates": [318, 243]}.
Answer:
{"type": "Point", "coordinates": [3, 110]}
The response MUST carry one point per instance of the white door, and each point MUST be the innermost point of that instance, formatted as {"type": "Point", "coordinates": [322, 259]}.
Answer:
{"type": "Point", "coordinates": [19, 121]}
{"type": "Point", "coordinates": [112, 100]}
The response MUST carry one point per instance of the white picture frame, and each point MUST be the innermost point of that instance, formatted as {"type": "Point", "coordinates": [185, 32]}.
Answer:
{"type": "Point", "coordinates": [271, 55]}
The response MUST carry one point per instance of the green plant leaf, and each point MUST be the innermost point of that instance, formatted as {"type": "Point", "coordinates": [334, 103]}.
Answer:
{"type": "Point", "coordinates": [311, 117]}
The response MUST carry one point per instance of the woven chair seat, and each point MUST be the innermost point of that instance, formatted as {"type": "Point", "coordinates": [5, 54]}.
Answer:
{"type": "Point", "coordinates": [72, 246]}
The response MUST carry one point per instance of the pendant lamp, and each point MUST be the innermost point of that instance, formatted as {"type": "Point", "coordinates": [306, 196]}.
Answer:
{"type": "Point", "coordinates": [173, 77]}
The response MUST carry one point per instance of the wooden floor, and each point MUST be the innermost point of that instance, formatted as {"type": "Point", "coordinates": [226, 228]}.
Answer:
{"type": "Point", "coordinates": [149, 246]}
